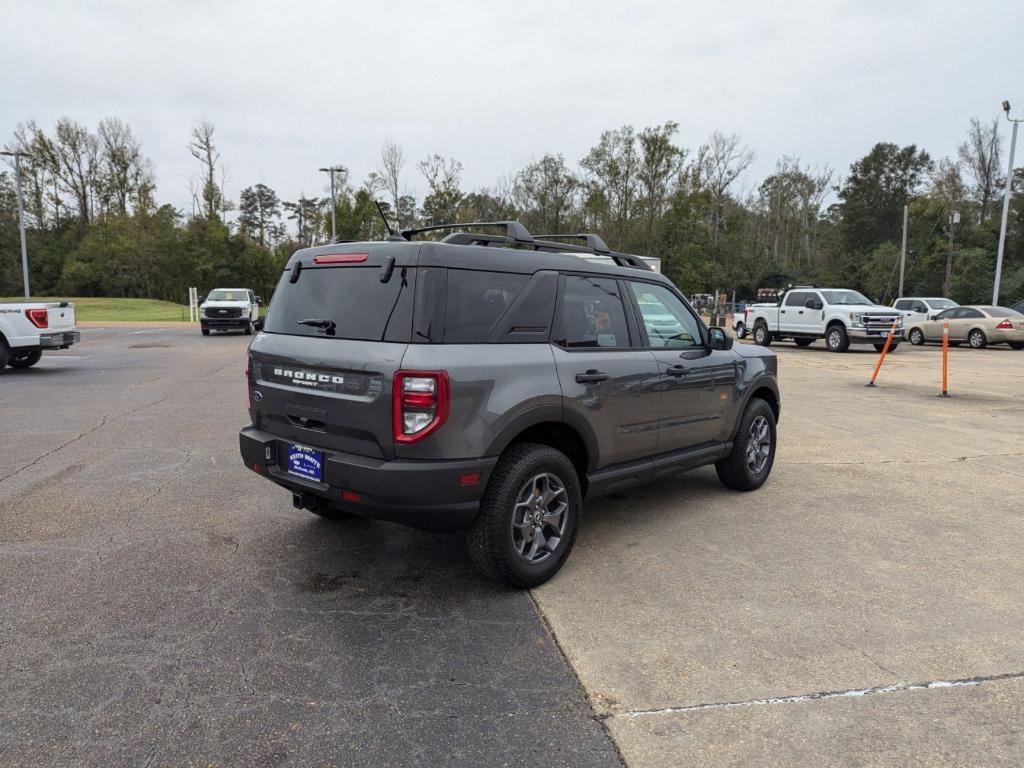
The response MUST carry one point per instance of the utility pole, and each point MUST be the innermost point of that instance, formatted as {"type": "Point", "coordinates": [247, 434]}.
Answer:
{"type": "Point", "coordinates": [903, 253]}
{"type": "Point", "coordinates": [21, 214]}
{"type": "Point", "coordinates": [954, 219]}
{"type": "Point", "coordinates": [331, 170]}
{"type": "Point", "coordinates": [1006, 205]}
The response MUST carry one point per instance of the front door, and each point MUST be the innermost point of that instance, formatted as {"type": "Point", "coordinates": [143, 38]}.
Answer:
{"type": "Point", "coordinates": [608, 380]}
{"type": "Point", "coordinates": [697, 382]}
{"type": "Point", "coordinates": [794, 316]}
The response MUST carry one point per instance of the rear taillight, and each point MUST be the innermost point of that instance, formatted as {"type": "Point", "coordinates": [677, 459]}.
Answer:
{"type": "Point", "coordinates": [1006, 325]}
{"type": "Point", "coordinates": [419, 404]}
{"type": "Point", "coordinates": [38, 317]}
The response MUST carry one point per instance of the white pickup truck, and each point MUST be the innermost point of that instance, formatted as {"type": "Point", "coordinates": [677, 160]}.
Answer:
{"type": "Point", "coordinates": [229, 308]}
{"type": "Point", "coordinates": [840, 316]}
{"type": "Point", "coordinates": [26, 329]}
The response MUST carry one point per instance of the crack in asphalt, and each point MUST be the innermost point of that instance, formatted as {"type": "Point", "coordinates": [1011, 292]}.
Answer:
{"type": "Point", "coordinates": [61, 447]}
{"type": "Point", "coordinates": [819, 695]}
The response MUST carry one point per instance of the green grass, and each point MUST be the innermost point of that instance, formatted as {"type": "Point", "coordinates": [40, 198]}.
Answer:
{"type": "Point", "coordinates": [98, 310]}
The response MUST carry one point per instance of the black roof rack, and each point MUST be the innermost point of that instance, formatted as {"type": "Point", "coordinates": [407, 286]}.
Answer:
{"type": "Point", "coordinates": [517, 235]}
{"type": "Point", "coordinates": [514, 231]}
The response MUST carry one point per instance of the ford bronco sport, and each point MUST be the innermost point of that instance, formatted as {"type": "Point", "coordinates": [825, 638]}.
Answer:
{"type": "Point", "coordinates": [492, 382]}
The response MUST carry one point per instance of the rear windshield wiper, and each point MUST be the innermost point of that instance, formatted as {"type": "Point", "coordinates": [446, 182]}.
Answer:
{"type": "Point", "coordinates": [321, 323]}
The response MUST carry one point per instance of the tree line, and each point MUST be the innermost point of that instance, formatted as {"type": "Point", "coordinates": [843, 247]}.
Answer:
{"type": "Point", "coordinates": [96, 227]}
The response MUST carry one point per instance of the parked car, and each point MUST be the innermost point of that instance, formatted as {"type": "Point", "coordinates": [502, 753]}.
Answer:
{"type": "Point", "coordinates": [838, 315]}
{"type": "Point", "coordinates": [978, 325]}
{"type": "Point", "coordinates": [916, 309]}
{"type": "Point", "coordinates": [29, 328]}
{"type": "Point", "coordinates": [461, 384]}
{"type": "Point", "coordinates": [225, 309]}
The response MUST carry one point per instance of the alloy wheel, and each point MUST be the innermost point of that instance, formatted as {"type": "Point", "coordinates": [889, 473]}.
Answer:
{"type": "Point", "coordinates": [759, 445]}
{"type": "Point", "coordinates": [539, 517]}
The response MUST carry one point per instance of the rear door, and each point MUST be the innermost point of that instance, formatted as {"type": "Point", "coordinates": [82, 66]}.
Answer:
{"type": "Point", "coordinates": [605, 375]}
{"type": "Point", "coordinates": [697, 382]}
{"type": "Point", "coordinates": [323, 366]}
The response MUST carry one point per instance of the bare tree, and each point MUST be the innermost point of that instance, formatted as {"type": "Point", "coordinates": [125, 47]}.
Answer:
{"type": "Point", "coordinates": [442, 175]}
{"type": "Point", "coordinates": [122, 166]}
{"type": "Point", "coordinates": [205, 151]}
{"type": "Point", "coordinates": [72, 156]}
{"type": "Point", "coordinates": [719, 163]}
{"type": "Point", "coordinates": [392, 161]}
{"type": "Point", "coordinates": [981, 156]}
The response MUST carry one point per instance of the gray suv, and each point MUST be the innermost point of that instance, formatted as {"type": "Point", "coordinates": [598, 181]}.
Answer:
{"type": "Point", "coordinates": [492, 382]}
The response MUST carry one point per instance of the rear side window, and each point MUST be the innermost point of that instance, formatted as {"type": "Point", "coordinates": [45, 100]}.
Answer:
{"type": "Point", "coordinates": [476, 301]}
{"type": "Point", "coordinates": [354, 299]}
{"type": "Point", "coordinates": [592, 314]}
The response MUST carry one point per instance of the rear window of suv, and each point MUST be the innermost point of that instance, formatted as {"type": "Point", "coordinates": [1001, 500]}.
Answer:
{"type": "Point", "coordinates": [360, 305]}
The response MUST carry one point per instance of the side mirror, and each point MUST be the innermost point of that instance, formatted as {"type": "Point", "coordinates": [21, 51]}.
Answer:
{"type": "Point", "coordinates": [719, 338]}
{"type": "Point", "coordinates": [201, 299]}
{"type": "Point", "coordinates": [934, 317]}
{"type": "Point", "coordinates": [259, 300]}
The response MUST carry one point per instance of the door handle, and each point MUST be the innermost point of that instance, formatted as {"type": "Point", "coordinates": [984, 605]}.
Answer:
{"type": "Point", "coordinates": [782, 311]}
{"type": "Point", "coordinates": [800, 312]}
{"type": "Point", "coordinates": [592, 376]}
{"type": "Point", "coordinates": [677, 371]}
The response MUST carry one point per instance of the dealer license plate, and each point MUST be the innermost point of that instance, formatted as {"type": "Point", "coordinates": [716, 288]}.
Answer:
{"type": "Point", "coordinates": [305, 462]}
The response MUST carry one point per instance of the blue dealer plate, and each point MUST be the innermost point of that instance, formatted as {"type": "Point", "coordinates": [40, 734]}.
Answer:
{"type": "Point", "coordinates": [305, 462]}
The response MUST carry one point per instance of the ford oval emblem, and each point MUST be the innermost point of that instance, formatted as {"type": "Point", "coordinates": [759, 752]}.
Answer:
{"type": "Point", "coordinates": [257, 396]}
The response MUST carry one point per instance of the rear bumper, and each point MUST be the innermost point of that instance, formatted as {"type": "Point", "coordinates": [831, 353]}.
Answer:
{"type": "Point", "coordinates": [223, 322]}
{"type": "Point", "coordinates": [59, 340]}
{"type": "Point", "coordinates": [421, 494]}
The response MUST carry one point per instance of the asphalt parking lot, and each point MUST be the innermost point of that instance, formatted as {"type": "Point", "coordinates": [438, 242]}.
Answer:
{"type": "Point", "coordinates": [163, 606]}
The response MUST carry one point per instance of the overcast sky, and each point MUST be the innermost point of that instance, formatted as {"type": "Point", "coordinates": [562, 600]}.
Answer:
{"type": "Point", "coordinates": [294, 86]}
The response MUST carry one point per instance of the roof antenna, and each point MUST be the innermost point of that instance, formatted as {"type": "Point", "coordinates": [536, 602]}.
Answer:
{"type": "Point", "coordinates": [380, 210]}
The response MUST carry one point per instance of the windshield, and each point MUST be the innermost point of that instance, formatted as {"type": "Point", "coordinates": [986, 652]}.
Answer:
{"type": "Point", "coordinates": [845, 297]}
{"type": "Point", "coordinates": [224, 295]}
{"type": "Point", "coordinates": [942, 303]}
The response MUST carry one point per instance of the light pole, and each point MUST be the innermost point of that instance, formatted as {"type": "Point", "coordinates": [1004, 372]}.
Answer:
{"type": "Point", "coordinates": [1006, 204]}
{"type": "Point", "coordinates": [21, 214]}
{"type": "Point", "coordinates": [332, 170]}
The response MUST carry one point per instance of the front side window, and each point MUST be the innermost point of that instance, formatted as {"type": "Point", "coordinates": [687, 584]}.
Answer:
{"type": "Point", "coordinates": [948, 314]}
{"type": "Point", "coordinates": [592, 314]}
{"type": "Point", "coordinates": [667, 320]}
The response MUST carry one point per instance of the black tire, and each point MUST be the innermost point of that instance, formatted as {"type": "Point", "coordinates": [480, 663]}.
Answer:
{"type": "Point", "coordinates": [977, 339]}
{"type": "Point", "coordinates": [5, 353]}
{"type": "Point", "coordinates": [741, 331]}
{"type": "Point", "coordinates": [836, 339]}
{"type": "Point", "coordinates": [248, 328]}
{"type": "Point", "coordinates": [25, 359]}
{"type": "Point", "coordinates": [762, 336]}
{"type": "Point", "coordinates": [804, 342]}
{"type": "Point", "coordinates": [736, 470]}
{"type": "Point", "coordinates": [880, 347]}
{"type": "Point", "coordinates": [916, 337]}
{"type": "Point", "coordinates": [206, 331]}
{"type": "Point", "coordinates": [491, 538]}
{"type": "Point", "coordinates": [1017, 345]}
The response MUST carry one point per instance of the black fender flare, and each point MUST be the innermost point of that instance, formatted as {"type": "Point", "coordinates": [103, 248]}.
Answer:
{"type": "Point", "coordinates": [548, 414]}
